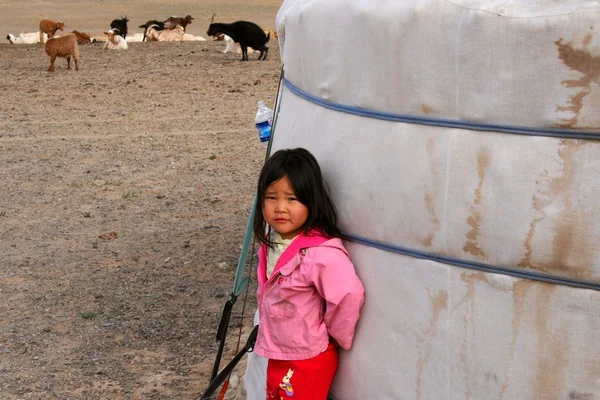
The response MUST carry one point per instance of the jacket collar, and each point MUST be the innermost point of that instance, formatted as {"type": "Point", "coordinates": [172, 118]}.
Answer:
{"type": "Point", "coordinates": [302, 241]}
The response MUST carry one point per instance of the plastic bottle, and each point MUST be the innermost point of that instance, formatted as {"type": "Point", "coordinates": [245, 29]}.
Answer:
{"type": "Point", "coordinates": [264, 120]}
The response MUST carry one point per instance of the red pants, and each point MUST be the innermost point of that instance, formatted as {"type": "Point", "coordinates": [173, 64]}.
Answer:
{"type": "Point", "coordinates": [302, 379]}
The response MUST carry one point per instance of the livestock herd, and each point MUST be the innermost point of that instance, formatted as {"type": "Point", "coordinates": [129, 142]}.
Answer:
{"type": "Point", "coordinates": [247, 36]}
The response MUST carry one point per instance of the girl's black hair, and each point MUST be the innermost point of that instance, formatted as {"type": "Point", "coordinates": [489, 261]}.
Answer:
{"type": "Point", "coordinates": [304, 174]}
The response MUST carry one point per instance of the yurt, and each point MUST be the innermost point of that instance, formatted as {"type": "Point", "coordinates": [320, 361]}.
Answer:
{"type": "Point", "coordinates": [460, 141]}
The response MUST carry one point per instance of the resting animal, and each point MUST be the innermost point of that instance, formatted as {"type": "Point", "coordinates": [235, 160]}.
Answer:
{"type": "Point", "coordinates": [158, 26]}
{"type": "Point", "coordinates": [166, 35]}
{"type": "Point", "coordinates": [26, 38]}
{"type": "Point", "coordinates": [115, 41]}
{"type": "Point", "coordinates": [63, 46]}
{"type": "Point", "coordinates": [172, 22]}
{"type": "Point", "coordinates": [50, 27]}
{"type": "Point", "coordinates": [188, 37]}
{"type": "Point", "coordinates": [247, 34]}
{"type": "Point", "coordinates": [233, 47]}
{"type": "Point", "coordinates": [120, 25]}
{"type": "Point", "coordinates": [82, 37]}
{"type": "Point", "coordinates": [136, 37]}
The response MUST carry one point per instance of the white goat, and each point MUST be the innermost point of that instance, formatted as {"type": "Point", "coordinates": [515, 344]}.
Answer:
{"type": "Point", "coordinates": [188, 37]}
{"type": "Point", "coordinates": [136, 37]}
{"type": "Point", "coordinates": [26, 38]}
{"type": "Point", "coordinates": [233, 47]}
{"type": "Point", "coordinates": [114, 41]}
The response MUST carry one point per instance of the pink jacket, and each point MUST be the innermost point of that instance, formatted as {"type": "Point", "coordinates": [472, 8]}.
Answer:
{"type": "Point", "coordinates": [312, 294]}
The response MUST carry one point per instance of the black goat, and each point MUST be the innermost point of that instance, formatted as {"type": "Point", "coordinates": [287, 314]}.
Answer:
{"type": "Point", "coordinates": [247, 34]}
{"type": "Point", "coordinates": [159, 26]}
{"type": "Point", "coordinates": [121, 25]}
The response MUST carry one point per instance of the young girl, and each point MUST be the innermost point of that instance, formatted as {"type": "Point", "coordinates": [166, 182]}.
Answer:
{"type": "Point", "coordinates": [309, 295]}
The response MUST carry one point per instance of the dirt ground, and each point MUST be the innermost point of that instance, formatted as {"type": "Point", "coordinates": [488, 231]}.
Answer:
{"type": "Point", "coordinates": [125, 189]}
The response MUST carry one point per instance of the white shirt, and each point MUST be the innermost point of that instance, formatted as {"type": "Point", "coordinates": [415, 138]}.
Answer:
{"type": "Point", "coordinates": [274, 253]}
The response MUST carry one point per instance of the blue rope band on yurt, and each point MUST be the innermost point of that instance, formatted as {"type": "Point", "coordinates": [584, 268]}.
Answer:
{"type": "Point", "coordinates": [548, 132]}
{"type": "Point", "coordinates": [517, 273]}
{"type": "Point", "coordinates": [411, 119]}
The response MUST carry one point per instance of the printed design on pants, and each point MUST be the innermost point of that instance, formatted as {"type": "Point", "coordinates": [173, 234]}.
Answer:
{"type": "Point", "coordinates": [286, 385]}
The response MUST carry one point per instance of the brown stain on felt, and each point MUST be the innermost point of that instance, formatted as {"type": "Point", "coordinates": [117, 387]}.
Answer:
{"type": "Point", "coordinates": [470, 279]}
{"type": "Point", "coordinates": [427, 109]}
{"type": "Point", "coordinates": [439, 302]}
{"type": "Point", "coordinates": [520, 290]}
{"type": "Point", "coordinates": [474, 220]}
{"type": "Point", "coordinates": [582, 61]}
{"type": "Point", "coordinates": [430, 194]}
{"type": "Point", "coordinates": [569, 244]}
{"type": "Point", "coordinates": [552, 360]}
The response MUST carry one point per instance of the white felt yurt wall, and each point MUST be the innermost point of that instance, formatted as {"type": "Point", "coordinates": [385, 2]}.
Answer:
{"type": "Point", "coordinates": [454, 197]}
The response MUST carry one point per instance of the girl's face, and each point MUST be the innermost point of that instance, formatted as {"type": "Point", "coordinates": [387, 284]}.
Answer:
{"type": "Point", "coordinates": [282, 210]}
